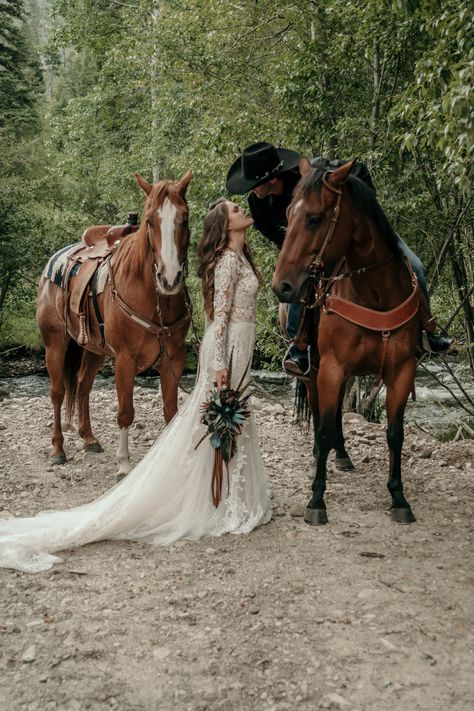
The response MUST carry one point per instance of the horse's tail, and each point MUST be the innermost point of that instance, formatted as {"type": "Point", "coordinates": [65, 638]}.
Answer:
{"type": "Point", "coordinates": [72, 363]}
{"type": "Point", "coordinates": [301, 409]}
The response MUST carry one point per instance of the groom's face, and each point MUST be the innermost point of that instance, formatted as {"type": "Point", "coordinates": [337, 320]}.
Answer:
{"type": "Point", "coordinates": [271, 187]}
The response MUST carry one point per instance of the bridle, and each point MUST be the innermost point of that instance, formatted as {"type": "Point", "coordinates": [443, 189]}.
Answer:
{"type": "Point", "coordinates": [160, 330]}
{"type": "Point", "coordinates": [317, 263]}
{"type": "Point", "coordinates": [316, 275]}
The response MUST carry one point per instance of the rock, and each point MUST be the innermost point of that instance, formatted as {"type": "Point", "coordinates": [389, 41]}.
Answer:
{"type": "Point", "coordinates": [353, 417]}
{"type": "Point", "coordinates": [29, 655]}
{"type": "Point", "coordinates": [335, 701]}
{"type": "Point", "coordinates": [365, 594]}
{"type": "Point", "coordinates": [425, 453]}
{"type": "Point", "coordinates": [297, 511]}
{"type": "Point", "coordinates": [161, 652]}
{"type": "Point", "coordinates": [254, 610]}
{"type": "Point", "coordinates": [291, 535]}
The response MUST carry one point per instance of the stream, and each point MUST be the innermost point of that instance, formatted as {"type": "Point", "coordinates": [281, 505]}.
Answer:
{"type": "Point", "coordinates": [435, 407]}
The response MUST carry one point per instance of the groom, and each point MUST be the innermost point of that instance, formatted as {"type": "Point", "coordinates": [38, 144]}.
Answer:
{"type": "Point", "coordinates": [269, 176]}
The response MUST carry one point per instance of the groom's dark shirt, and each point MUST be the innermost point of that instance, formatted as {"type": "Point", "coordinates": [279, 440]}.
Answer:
{"type": "Point", "coordinates": [269, 213]}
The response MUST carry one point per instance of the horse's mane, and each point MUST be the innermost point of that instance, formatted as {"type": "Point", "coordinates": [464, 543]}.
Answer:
{"type": "Point", "coordinates": [363, 197]}
{"type": "Point", "coordinates": [131, 254]}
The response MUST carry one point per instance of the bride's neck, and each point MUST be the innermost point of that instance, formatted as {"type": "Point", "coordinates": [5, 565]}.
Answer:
{"type": "Point", "coordinates": [237, 241]}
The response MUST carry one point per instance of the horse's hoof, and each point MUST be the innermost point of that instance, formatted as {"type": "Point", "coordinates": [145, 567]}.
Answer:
{"type": "Point", "coordinates": [402, 515]}
{"type": "Point", "coordinates": [93, 447]}
{"type": "Point", "coordinates": [315, 517]}
{"type": "Point", "coordinates": [58, 458]}
{"type": "Point", "coordinates": [343, 464]}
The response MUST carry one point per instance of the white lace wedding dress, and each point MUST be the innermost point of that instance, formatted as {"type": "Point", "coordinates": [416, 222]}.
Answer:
{"type": "Point", "coordinates": [167, 496]}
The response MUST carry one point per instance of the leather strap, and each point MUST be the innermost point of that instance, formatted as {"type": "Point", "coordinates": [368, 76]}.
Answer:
{"type": "Point", "coordinates": [375, 320]}
{"type": "Point", "coordinates": [141, 320]}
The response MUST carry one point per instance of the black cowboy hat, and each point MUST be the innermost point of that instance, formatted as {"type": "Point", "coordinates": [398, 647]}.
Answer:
{"type": "Point", "coordinates": [257, 164]}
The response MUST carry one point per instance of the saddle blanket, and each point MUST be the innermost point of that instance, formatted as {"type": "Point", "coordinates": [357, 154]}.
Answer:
{"type": "Point", "coordinates": [56, 268]}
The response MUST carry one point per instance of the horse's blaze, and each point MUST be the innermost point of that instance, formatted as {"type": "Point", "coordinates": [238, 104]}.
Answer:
{"type": "Point", "coordinates": [169, 253]}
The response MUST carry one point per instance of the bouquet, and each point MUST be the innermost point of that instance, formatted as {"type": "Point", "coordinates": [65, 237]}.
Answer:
{"type": "Point", "coordinates": [224, 414]}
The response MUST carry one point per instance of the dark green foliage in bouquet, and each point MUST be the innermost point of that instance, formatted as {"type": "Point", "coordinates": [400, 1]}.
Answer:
{"type": "Point", "coordinates": [224, 414]}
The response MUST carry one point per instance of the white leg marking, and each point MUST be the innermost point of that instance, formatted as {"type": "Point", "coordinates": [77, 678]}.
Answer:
{"type": "Point", "coordinates": [123, 454]}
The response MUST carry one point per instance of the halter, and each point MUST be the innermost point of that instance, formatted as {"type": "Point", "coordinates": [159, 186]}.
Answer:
{"type": "Point", "coordinates": [317, 263]}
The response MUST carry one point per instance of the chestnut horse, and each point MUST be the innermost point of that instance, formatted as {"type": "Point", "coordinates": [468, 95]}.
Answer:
{"type": "Point", "coordinates": [369, 310]}
{"type": "Point", "coordinates": [145, 312]}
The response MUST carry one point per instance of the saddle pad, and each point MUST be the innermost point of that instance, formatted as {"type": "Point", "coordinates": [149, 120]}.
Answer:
{"type": "Point", "coordinates": [57, 265]}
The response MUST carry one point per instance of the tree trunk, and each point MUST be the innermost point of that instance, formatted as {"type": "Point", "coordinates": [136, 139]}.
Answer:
{"type": "Point", "coordinates": [157, 167]}
{"type": "Point", "coordinates": [374, 120]}
{"type": "Point", "coordinates": [463, 286]}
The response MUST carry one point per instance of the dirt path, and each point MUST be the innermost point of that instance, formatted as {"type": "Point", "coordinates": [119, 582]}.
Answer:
{"type": "Point", "coordinates": [362, 614]}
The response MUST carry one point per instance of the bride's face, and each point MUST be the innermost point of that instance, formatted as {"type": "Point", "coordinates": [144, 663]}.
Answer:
{"type": "Point", "coordinates": [238, 219]}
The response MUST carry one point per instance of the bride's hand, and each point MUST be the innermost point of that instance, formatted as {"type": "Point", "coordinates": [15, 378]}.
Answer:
{"type": "Point", "coordinates": [221, 379]}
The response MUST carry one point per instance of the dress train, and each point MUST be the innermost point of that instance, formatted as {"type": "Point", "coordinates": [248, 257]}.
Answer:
{"type": "Point", "coordinates": [167, 496]}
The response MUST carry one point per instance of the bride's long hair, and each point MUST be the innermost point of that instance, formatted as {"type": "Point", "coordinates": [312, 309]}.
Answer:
{"type": "Point", "coordinates": [214, 240]}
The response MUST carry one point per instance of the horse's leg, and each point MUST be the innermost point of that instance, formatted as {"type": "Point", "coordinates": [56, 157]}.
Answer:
{"type": "Point", "coordinates": [398, 390]}
{"type": "Point", "coordinates": [55, 357]}
{"type": "Point", "coordinates": [125, 370]}
{"type": "Point", "coordinates": [329, 387]}
{"type": "Point", "coordinates": [90, 366]}
{"type": "Point", "coordinates": [170, 370]}
{"type": "Point", "coordinates": [343, 461]}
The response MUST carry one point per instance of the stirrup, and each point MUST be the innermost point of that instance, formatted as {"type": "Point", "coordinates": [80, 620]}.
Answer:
{"type": "Point", "coordinates": [287, 357]}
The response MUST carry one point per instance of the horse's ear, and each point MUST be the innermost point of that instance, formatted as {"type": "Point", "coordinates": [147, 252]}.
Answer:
{"type": "Point", "coordinates": [305, 166]}
{"type": "Point", "coordinates": [144, 184]}
{"type": "Point", "coordinates": [184, 182]}
{"type": "Point", "coordinates": [340, 175]}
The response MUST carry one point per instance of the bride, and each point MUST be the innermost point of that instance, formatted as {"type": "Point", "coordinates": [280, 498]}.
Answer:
{"type": "Point", "coordinates": [168, 494]}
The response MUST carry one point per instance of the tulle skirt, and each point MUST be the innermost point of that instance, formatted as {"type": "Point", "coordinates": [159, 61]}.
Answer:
{"type": "Point", "coordinates": [167, 496]}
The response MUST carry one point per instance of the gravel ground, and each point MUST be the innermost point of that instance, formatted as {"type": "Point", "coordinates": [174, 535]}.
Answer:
{"type": "Point", "coordinates": [362, 614]}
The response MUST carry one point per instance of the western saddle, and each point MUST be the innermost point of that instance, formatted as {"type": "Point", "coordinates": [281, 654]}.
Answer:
{"type": "Point", "coordinates": [98, 244]}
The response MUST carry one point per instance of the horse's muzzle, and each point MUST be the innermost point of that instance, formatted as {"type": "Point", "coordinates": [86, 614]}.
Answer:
{"type": "Point", "coordinates": [169, 288]}
{"type": "Point", "coordinates": [285, 292]}
{"type": "Point", "coordinates": [288, 292]}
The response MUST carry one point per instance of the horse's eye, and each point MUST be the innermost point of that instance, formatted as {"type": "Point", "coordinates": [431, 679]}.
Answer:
{"type": "Point", "coordinates": [313, 221]}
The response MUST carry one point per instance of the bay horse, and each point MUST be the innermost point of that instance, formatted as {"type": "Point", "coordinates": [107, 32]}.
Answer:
{"type": "Point", "coordinates": [369, 310]}
{"type": "Point", "coordinates": [145, 313]}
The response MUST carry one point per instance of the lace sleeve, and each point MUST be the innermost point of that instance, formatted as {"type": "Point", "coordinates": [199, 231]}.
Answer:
{"type": "Point", "coordinates": [225, 280]}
